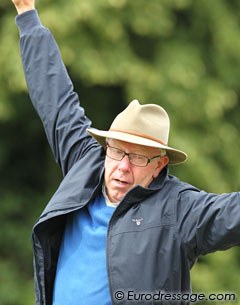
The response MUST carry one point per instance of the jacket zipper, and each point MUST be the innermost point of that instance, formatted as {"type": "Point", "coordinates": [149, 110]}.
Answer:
{"type": "Point", "coordinates": [107, 246]}
{"type": "Point", "coordinates": [58, 212]}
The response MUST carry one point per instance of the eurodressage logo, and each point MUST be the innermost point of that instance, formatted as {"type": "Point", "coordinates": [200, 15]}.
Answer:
{"type": "Point", "coordinates": [144, 297]}
{"type": "Point", "coordinates": [138, 221]}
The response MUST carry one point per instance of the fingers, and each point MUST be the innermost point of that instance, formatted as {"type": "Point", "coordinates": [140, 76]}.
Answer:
{"type": "Point", "coordinates": [24, 5]}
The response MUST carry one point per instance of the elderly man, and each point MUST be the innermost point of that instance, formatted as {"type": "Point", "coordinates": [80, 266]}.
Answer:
{"type": "Point", "coordinates": [119, 229]}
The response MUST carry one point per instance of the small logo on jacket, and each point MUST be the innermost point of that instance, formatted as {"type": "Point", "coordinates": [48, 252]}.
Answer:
{"type": "Point", "coordinates": [138, 221]}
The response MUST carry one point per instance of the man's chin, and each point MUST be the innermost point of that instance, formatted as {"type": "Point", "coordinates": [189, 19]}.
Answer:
{"type": "Point", "coordinates": [116, 196]}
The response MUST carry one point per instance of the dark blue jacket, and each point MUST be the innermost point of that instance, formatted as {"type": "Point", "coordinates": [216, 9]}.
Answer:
{"type": "Point", "coordinates": [155, 235]}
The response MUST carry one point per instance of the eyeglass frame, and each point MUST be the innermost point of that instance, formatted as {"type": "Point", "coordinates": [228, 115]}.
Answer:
{"type": "Point", "coordinates": [148, 160]}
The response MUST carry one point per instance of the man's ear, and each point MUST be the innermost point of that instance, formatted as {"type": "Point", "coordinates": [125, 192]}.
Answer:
{"type": "Point", "coordinates": [163, 161]}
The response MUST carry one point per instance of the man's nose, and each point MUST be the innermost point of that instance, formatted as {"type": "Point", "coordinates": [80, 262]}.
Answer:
{"type": "Point", "coordinates": [124, 164]}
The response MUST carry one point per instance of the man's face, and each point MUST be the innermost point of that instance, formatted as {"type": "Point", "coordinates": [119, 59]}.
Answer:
{"type": "Point", "coordinates": [121, 176]}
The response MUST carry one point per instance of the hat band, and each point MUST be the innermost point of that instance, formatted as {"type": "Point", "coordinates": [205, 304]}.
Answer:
{"type": "Point", "coordinates": [140, 135]}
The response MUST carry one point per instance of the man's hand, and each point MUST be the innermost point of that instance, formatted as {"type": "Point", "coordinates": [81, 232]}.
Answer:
{"type": "Point", "coordinates": [24, 5]}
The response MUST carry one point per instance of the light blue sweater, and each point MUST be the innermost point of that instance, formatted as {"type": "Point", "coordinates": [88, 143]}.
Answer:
{"type": "Point", "coordinates": [81, 277]}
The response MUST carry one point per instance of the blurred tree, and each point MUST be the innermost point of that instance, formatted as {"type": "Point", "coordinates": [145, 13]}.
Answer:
{"type": "Point", "coordinates": [182, 54]}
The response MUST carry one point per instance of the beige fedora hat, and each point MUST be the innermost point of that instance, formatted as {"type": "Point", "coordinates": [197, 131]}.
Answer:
{"type": "Point", "coordinates": [146, 125]}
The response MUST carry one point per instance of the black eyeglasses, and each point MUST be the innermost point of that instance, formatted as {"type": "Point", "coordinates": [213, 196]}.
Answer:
{"type": "Point", "coordinates": [137, 160]}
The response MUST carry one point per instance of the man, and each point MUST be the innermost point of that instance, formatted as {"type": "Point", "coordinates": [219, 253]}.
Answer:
{"type": "Point", "coordinates": [119, 229]}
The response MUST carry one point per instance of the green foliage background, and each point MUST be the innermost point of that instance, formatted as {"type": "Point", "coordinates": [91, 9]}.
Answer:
{"type": "Point", "coordinates": [182, 54]}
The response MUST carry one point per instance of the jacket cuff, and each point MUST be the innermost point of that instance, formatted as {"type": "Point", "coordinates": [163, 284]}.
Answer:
{"type": "Point", "coordinates": [27, 21]}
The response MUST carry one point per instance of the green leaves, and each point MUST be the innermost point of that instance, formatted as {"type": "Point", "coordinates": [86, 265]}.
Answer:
{"type": "Point", "coordinates": [182, 54]}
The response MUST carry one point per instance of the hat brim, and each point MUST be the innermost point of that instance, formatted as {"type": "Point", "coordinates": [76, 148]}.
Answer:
{"type": "Point", "coordinates": [175, 156]}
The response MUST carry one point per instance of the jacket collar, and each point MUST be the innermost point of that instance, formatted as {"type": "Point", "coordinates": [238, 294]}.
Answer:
{"type": "Point", "coordinates": [134, 196]}
{"type": "Point", "coordinates": [139, 193]}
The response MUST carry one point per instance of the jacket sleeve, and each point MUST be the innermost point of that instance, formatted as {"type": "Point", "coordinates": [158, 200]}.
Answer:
{"type": "Point", "coordinates": [209, 222]}
{"type": "Point", "coordinates": [51, 92]}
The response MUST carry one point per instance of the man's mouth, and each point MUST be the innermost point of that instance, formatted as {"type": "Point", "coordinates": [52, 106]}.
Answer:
{"type": "Point", "coordinates": [121, 181]}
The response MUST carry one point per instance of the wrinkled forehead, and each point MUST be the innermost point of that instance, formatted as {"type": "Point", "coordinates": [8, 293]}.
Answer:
{"type": "Point", "coordinates": [132, 147]}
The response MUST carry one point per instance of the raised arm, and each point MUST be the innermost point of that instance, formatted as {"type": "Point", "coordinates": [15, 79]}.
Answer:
{"type": "Point", "coordinates": [51, 89]}
{"type": "Point", "coordinates": [23, 6]}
